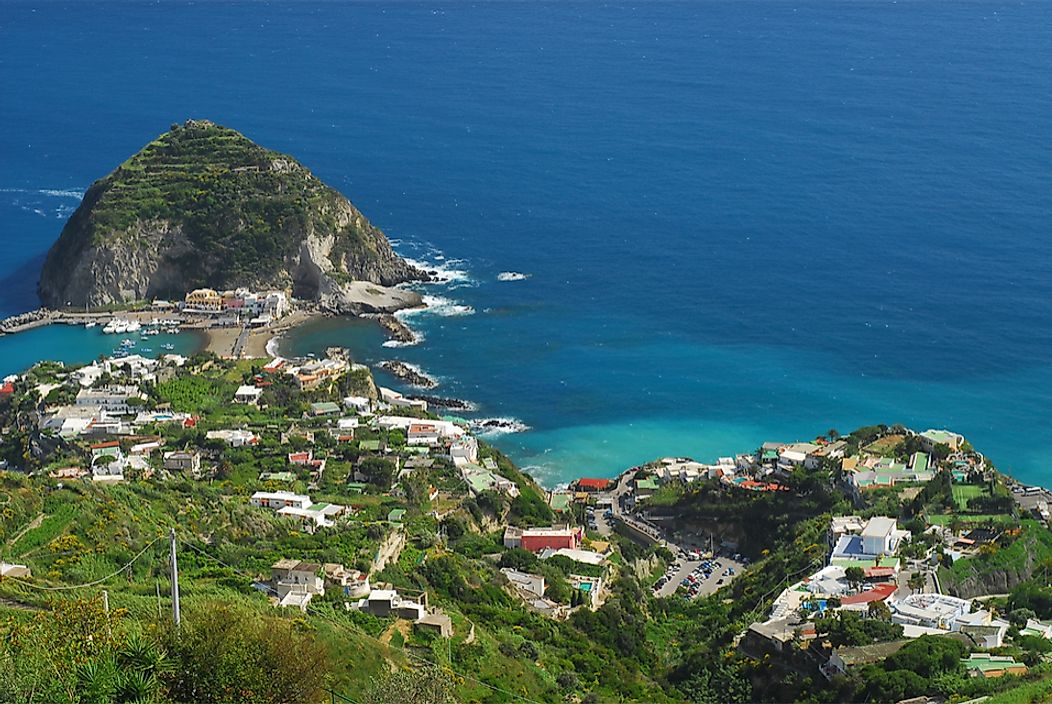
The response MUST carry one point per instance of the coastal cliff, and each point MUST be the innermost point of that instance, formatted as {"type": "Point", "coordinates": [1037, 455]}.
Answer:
{"type": "Point", "coordinates": [203, 206]}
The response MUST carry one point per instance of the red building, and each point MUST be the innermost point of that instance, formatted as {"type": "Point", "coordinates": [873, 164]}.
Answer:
{"type": "Point", "coordinates": [585, 484]}
{"type": "Point", "coordinates": [537, 539]}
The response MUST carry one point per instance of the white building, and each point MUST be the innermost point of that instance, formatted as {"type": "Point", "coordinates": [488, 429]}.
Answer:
{"type": "Point", "coordinates": [426, 434]}
{"type": "Point", "coordinates": [248, 394]}
{"type": "Point", "coordinates": [295, 583]}
{"type": "Point", "coordinates": [524, 581]}
{"type": "Point", "coordinates": [464, 450]}
{"type": "Point", "coordinates": [359, 404]}
{"type": "Point", "coordinates": [112, 399]}
{"type": "Point", "coordinates": [930, 610]}
{"type": "Point", "coordinates": [279, 499]}
{"type": "Point", "coordinates": [233, 438]}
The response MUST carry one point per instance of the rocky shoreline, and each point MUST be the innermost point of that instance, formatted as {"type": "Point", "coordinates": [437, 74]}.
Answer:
{"type": "Point", "coordinates": [398, 330]}
{"type": "Point", "coordinates": [455, 404]}
{"type": "Point", "coordinates": [408, 374]}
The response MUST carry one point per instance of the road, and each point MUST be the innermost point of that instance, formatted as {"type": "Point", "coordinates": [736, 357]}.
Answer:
{"type": "Point", "coordinates": [239, 344]}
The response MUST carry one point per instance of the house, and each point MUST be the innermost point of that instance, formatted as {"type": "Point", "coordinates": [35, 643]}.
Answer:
{"type": "Point", "coordinates": [183, 461]}
{"type": "Point", "coordinates": [203, 300]}
{"type": "Point", "coordinates": [987, 632]}
{"type": "Point", "coordinates": [68, 473]}
{"type": "Point", "coordinates": [396, 515]}
{"type": "Point", "coordinates": [438, 623]}
{"type": "Point", "coordinates": [233, 438]}
{"type": "Point", "coordinates": [930, 438]}
{"type": "Point", "coordinates": [359, 404]}
{"type": "Point", "coordinates": [646, 488]}
{"type": "Point", "coordinates": [480, 480]}
{"type": "Point", "coordinates": [248, 394]}
{"type": "Point", "coordinates": [13, 571]}
{"type": "Point", "coordinates": [397, 400]}
{"type": "Point", "coordinates": [532, 584]}
{"type": "Point", "coordinates": [314, 516]}
{"type": "Point", "coordinates": [72, 421]}
{"type": "Point", "coordinates": [112, 399]}
{"type": "Point", "coordinates": [799, 454]}
{"type": "Point", "coordinates": [537, 539]}
{"type": "Point", "coordinates": [286, 477]}
{"type": "Point", "coordinates": [388, 602]}
{"type": "Point", "coordinates": [279, 499]}
{"type": "Point", "coordinates": [592, 485]}
{"type": "Point", "coordinates": [274, 366]}
{"type": "Point", "coordinates": [986, 665]}
{"type": "Point", "coordinates": [324, 408]}
{"type": "Point", "coordinates": [314, 374]}
{"type": "Point", "coordinates": [107, 462]}
{"type": "Point", "coordinates": [353, 583]}
{"type": "Point", "coordinates": [423, 434]}
{"type": "Point", "coordinates": [301, 458]}
{"type": "Point", "coordinates": [930, 610]}
{"type": "Point", "coordinates": [464, 450]}
{"type": "Point", "coordinates": [879, 537]}
{"type": "Point", "coordinates": [295, 582]}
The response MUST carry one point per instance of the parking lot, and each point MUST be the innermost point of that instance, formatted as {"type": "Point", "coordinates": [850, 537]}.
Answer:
{"type": "Point", "coordinates": [698, 576]}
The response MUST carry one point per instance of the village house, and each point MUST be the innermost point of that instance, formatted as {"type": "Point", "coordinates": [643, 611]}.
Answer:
{"type": "Point", "coordinates": [203, 300]}
{"type": "Point", "coordinates": [537, 539]}
{"type": "Point", "coordinates": [592, 485]}
{"type": "Point", "coordinates": [295, 583]}
{"type": "Point", "coordinates": [930, 438]}
{"type": "Point", "coordinates": [313, 374]}
{"type": "Point", "coordinates": [111, 399]}
{"type": "Point", "coordinates": [248, 394]}
{"type": "Point", "coordinates": [397, 400]}
{"type": "Point", "coordinates": [233, 438]}
{"type": "Point", "coordinates": [987, 665]}
{"type": "Point", "coordinates": [423, 434]}
{"type": "Point", "coordinates": [479, 480]}
{"type": "Point", "coordinates": [279, 499]}
{"type": "Point", "coordinates": [464, 450]}
{"type": "Point", "coordinates": [354, 584]}
{"type": "Point", "coordinates": [359, 404]}
{"type": "Point", "coordinates": [530, 584]}
{"type": "Point", "coordinates": [183, 461]}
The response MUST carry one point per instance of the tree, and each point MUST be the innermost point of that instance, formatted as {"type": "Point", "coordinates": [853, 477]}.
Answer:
{"type": "Point", "coordinates": [378, 471]}
{"type": "Point", "coordinates": [855, 576]}
{"type": "Point", "coordinates": [225, 654]}
{"type": "Point", "coordinates": [878, 610]}
{"type": "Point", "coordinates": [917, 581]}
{"type": "Point", "coordinates": [424, 685]}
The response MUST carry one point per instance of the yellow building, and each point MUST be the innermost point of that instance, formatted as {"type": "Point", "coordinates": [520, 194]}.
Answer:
{"type": "Point", "coordinates": [204, 299]}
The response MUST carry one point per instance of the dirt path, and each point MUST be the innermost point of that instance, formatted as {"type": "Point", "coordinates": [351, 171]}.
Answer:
{"type": "Point", "coordinates": [402, 626]}
{"type": "Point", "coordinates": [35, 523]}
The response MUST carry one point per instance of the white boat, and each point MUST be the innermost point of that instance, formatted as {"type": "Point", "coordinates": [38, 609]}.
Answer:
{"type": "Point", "coordinates": [127, 343]}
{"type": "Point", "coordinates": [168, 346]}
{"type": "Point", "coordinates": [133, 325]}
{"type": "Point", "coordinates": [90, 325]}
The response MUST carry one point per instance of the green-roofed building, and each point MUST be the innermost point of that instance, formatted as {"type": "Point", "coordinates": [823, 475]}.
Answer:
{"type": "Point", "coordinates": [277, 477]}
{"type": "Point", "coordinates": [357, 487]}
{"type": "Point", "coordinates": [987, 665]}
{"type": "Point", "coordinates": [865, 564]}
{"type": "Point", "coordinates": [324, 408]}
{"type": "Point", "coordinates": [396, 515]}
{"type": "Point", "coordinates": [369, 445]}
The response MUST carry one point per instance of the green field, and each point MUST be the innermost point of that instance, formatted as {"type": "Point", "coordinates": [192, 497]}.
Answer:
{"type": "Point", "coordinates": [962, 493]}
{"type": "Point", "coordinates": [944, 519]}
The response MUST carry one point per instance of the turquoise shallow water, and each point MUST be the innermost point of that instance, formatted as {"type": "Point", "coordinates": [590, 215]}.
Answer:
{"type": "Point", "coordinates": [742, 220]}
{"type": "Point", "coordinates": [74, 344]}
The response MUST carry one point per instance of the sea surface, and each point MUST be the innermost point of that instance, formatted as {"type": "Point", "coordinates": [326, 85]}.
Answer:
{"type": "Point", "coordinates": [740, 221]}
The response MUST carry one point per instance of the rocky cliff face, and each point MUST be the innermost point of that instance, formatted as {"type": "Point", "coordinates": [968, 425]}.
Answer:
{"type": "Point", "coordinates": [204, 206]}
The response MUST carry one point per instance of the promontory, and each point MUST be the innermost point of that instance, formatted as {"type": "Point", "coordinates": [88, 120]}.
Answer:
{"type": "Point", "coordinates": [204, 206]}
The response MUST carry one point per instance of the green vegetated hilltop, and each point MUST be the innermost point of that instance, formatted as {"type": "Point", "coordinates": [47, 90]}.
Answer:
{"type": "Point", "coordinates": [203, 206]}
{"type": "Point", "coordinates": [411, 524]}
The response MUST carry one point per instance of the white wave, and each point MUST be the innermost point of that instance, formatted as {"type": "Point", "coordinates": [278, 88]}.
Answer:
{"type": "Point", "coordinates": [399, 343]}
{"type": "Point", "coordinates": [446, 272]}
{"type": "Point", "coordinates": [272, 346]}
{"type": "Point", "coordinates": [437, 305]}
{"type": "Point", "coordinates": [512, 276]}
{"type": "Point", "coordinates": [53, 192]}
{"type": "Point", "coordinates": [489, 427]}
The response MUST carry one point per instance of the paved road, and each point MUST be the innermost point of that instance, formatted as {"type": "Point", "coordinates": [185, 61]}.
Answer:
{"type": "Point", "coordinates": [239, 344]}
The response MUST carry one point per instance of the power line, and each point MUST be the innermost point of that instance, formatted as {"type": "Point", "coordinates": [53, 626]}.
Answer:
{"type": "Point", "coordinates": [88, 584]}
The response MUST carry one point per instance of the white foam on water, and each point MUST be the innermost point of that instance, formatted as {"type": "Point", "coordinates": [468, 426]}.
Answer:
{"type": "Point", "coordinates": [512, 276]}
{"type": "Point", "coordinates": [502, 426]}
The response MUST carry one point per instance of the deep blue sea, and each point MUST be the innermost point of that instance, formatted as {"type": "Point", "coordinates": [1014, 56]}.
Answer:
{"type": "Point", "coordinates": [741, 221]}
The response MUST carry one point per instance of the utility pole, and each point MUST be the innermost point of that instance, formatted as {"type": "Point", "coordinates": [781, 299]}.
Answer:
{"type": "Point", "coordinates": [175, 581]}
{"type": "Point", "coordinates": [106, 608]}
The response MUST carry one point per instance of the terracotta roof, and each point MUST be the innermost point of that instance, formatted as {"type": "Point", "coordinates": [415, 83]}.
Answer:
{"type": "Point", "coordinates": [878, 593]}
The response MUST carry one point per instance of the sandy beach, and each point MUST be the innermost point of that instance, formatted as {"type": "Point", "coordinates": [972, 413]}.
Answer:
{"type": "Point", "coordinates": [221, 341]}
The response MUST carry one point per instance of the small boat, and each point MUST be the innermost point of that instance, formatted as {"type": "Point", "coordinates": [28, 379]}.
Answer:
{"type": "Point", "coordinates": [128, 343]}
{"type": "Point", "coordinates": [146, 349]}
{"type": "Point", "coordinates": [168, 346]}
{"type": "Point", "coordinates": [90, 325]}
